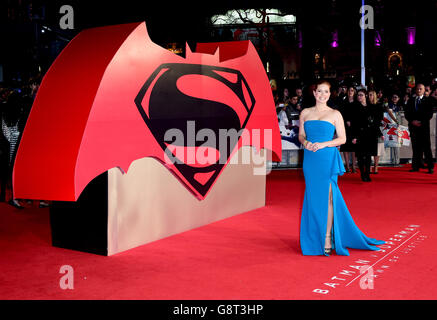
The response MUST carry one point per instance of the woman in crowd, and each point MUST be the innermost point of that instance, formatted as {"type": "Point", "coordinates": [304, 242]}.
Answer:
{"type": "Point", "coordinates": [285, 96]}
{"type": "Point", "coordinates": [282, 116]}
{"type": "Point", "coordinates": [11, 126]}
{"type": "Point", "coordinates": [395, 107]}
{"type": "Point", "coordinates": [4, 149]}
{"type": "Point", "coordinates": [348, 110]}
{"type": "Point", "coordinates": [365, 134]}
{"type": "Point", "coordinates": [379, 112]}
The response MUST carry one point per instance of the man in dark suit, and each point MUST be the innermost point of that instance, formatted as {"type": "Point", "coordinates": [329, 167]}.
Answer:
{"type": "Point", "coordinates": [418, 112]}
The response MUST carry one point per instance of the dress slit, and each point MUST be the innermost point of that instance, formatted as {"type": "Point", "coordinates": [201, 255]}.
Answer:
{"type": "Point", "coordinates": [330, 203]}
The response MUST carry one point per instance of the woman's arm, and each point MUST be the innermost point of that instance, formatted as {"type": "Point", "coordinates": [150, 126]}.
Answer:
{"type": "Point", "coordinates": [390, 113]}
{"type": "Point", "coordinates": [302, 135]}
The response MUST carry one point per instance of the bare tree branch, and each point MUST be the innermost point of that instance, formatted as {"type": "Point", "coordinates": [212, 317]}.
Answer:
{"type": "Point", "coordinates": [245, 20]}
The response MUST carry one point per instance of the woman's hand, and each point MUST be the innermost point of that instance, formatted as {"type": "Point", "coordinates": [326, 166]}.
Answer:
{"type": "Point", "coordinates": [318, 145]}
{"type": "Point", "coordinates": [354, 141]}
{"type": "Point", "coordinates": [308, 145]}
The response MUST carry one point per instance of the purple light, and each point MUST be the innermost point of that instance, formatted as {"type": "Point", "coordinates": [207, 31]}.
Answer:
{"type": "Point", "coordinates": [377, 39]}
{"type": "Point", "coordinates": [334, 42]}
{"type": "Point", "coordinates": [299, 39]}
{"type": "Point", "coordinates": [411, 35]}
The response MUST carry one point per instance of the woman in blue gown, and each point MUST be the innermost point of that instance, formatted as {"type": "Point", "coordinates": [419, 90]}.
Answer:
{"type": "Point", "coordinates": [326, 223]}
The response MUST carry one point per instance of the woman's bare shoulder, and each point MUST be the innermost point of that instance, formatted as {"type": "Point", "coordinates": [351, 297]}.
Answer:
{"type": "Point", "coordinates": [337, 117]}
{"type": "Point", "coordinates": [306, 111]}
{"type": "Point", "coordinates": [336, 114]}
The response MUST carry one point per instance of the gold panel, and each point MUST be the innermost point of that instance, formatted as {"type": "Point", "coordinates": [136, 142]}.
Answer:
{"type": "Point", "coordinates": [148, 203]}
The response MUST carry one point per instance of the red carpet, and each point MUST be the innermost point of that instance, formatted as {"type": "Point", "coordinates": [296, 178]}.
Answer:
{"type": "Point", "coordinates": [254, 255]}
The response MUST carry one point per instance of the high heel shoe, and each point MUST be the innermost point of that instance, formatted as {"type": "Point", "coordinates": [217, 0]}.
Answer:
{"type": "Point", "coordinates": [15, 204]}
{"type": "Point", "coordinates": [328, 251]}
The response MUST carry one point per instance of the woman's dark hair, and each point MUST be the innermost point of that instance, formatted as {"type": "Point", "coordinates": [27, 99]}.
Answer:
{"type": "Point", "coordinates": [12, 110]}
{"type": "Point", "coordinates": [365, 94]}
{"type": "Point", "coordinates": [362, 90]}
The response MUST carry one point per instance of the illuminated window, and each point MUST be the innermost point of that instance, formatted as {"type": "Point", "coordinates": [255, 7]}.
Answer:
{"type": "Point", "coordinates": [273, 16]}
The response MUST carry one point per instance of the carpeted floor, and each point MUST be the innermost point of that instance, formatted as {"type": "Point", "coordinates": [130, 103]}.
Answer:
{"type": "Point", "coordinates": [254, 255]}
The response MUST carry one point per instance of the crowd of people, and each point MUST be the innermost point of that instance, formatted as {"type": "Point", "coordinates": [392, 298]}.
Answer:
{"type": "Point", "coordinates": [15, 103]}
{"type": "Point", "coordinates": [363, 110]}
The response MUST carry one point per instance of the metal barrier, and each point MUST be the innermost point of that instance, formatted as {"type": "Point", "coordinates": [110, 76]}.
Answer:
{"type": "Point", "coordinates": [293, 158]}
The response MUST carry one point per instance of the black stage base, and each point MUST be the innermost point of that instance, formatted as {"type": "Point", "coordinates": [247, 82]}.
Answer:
{"type": "Point", "coordinates": [83, 225]}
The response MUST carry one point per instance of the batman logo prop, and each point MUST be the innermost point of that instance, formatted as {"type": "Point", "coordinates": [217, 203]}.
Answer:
{"type": "Point", "coordinates": [113, 96]}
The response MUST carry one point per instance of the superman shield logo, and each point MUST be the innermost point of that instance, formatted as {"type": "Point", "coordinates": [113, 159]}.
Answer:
{"type": "Point", "coordinates": [196, 113]}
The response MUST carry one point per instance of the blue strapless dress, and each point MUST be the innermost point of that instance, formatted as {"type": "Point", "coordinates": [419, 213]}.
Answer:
{"type": "Point", "coordinates": [320, 169]}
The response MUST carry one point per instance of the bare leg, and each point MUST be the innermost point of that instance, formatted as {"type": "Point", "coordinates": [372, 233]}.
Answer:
{"type": "Point", "coordinates": [330, 220]}
{"type": "Point", "coordinates": [375, 163]}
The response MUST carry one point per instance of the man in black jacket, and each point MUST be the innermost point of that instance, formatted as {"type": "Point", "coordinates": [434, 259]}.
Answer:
{"type": "Point", "coordinates": [418, 112]}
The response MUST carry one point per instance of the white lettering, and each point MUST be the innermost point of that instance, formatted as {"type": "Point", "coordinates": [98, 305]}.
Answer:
{"type": "Point", "coordinates": [356, 267]}
{"type": "Point", "coordinates": [366, 281]}
{"type": "Point", "coordinates": [66, 21]}
{"type": "Point", "coordinates": [67, 280]}
{"type": "Point", "coordinates": [366, 21]}
{"type": "Point", "coordinates": [346, 272]}
{"type": "Point", "coordinates": [332, 285]}
{"type": "Point", "coordinates": [320, 291]}
{"type": "Point", "coordinates": [190, 310]}
{"type": "Point", "coordinates": [362, 261]}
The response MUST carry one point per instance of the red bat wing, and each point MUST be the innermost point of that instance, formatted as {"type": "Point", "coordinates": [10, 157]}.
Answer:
{"type": "Point", "coordinates": [84, 120]}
